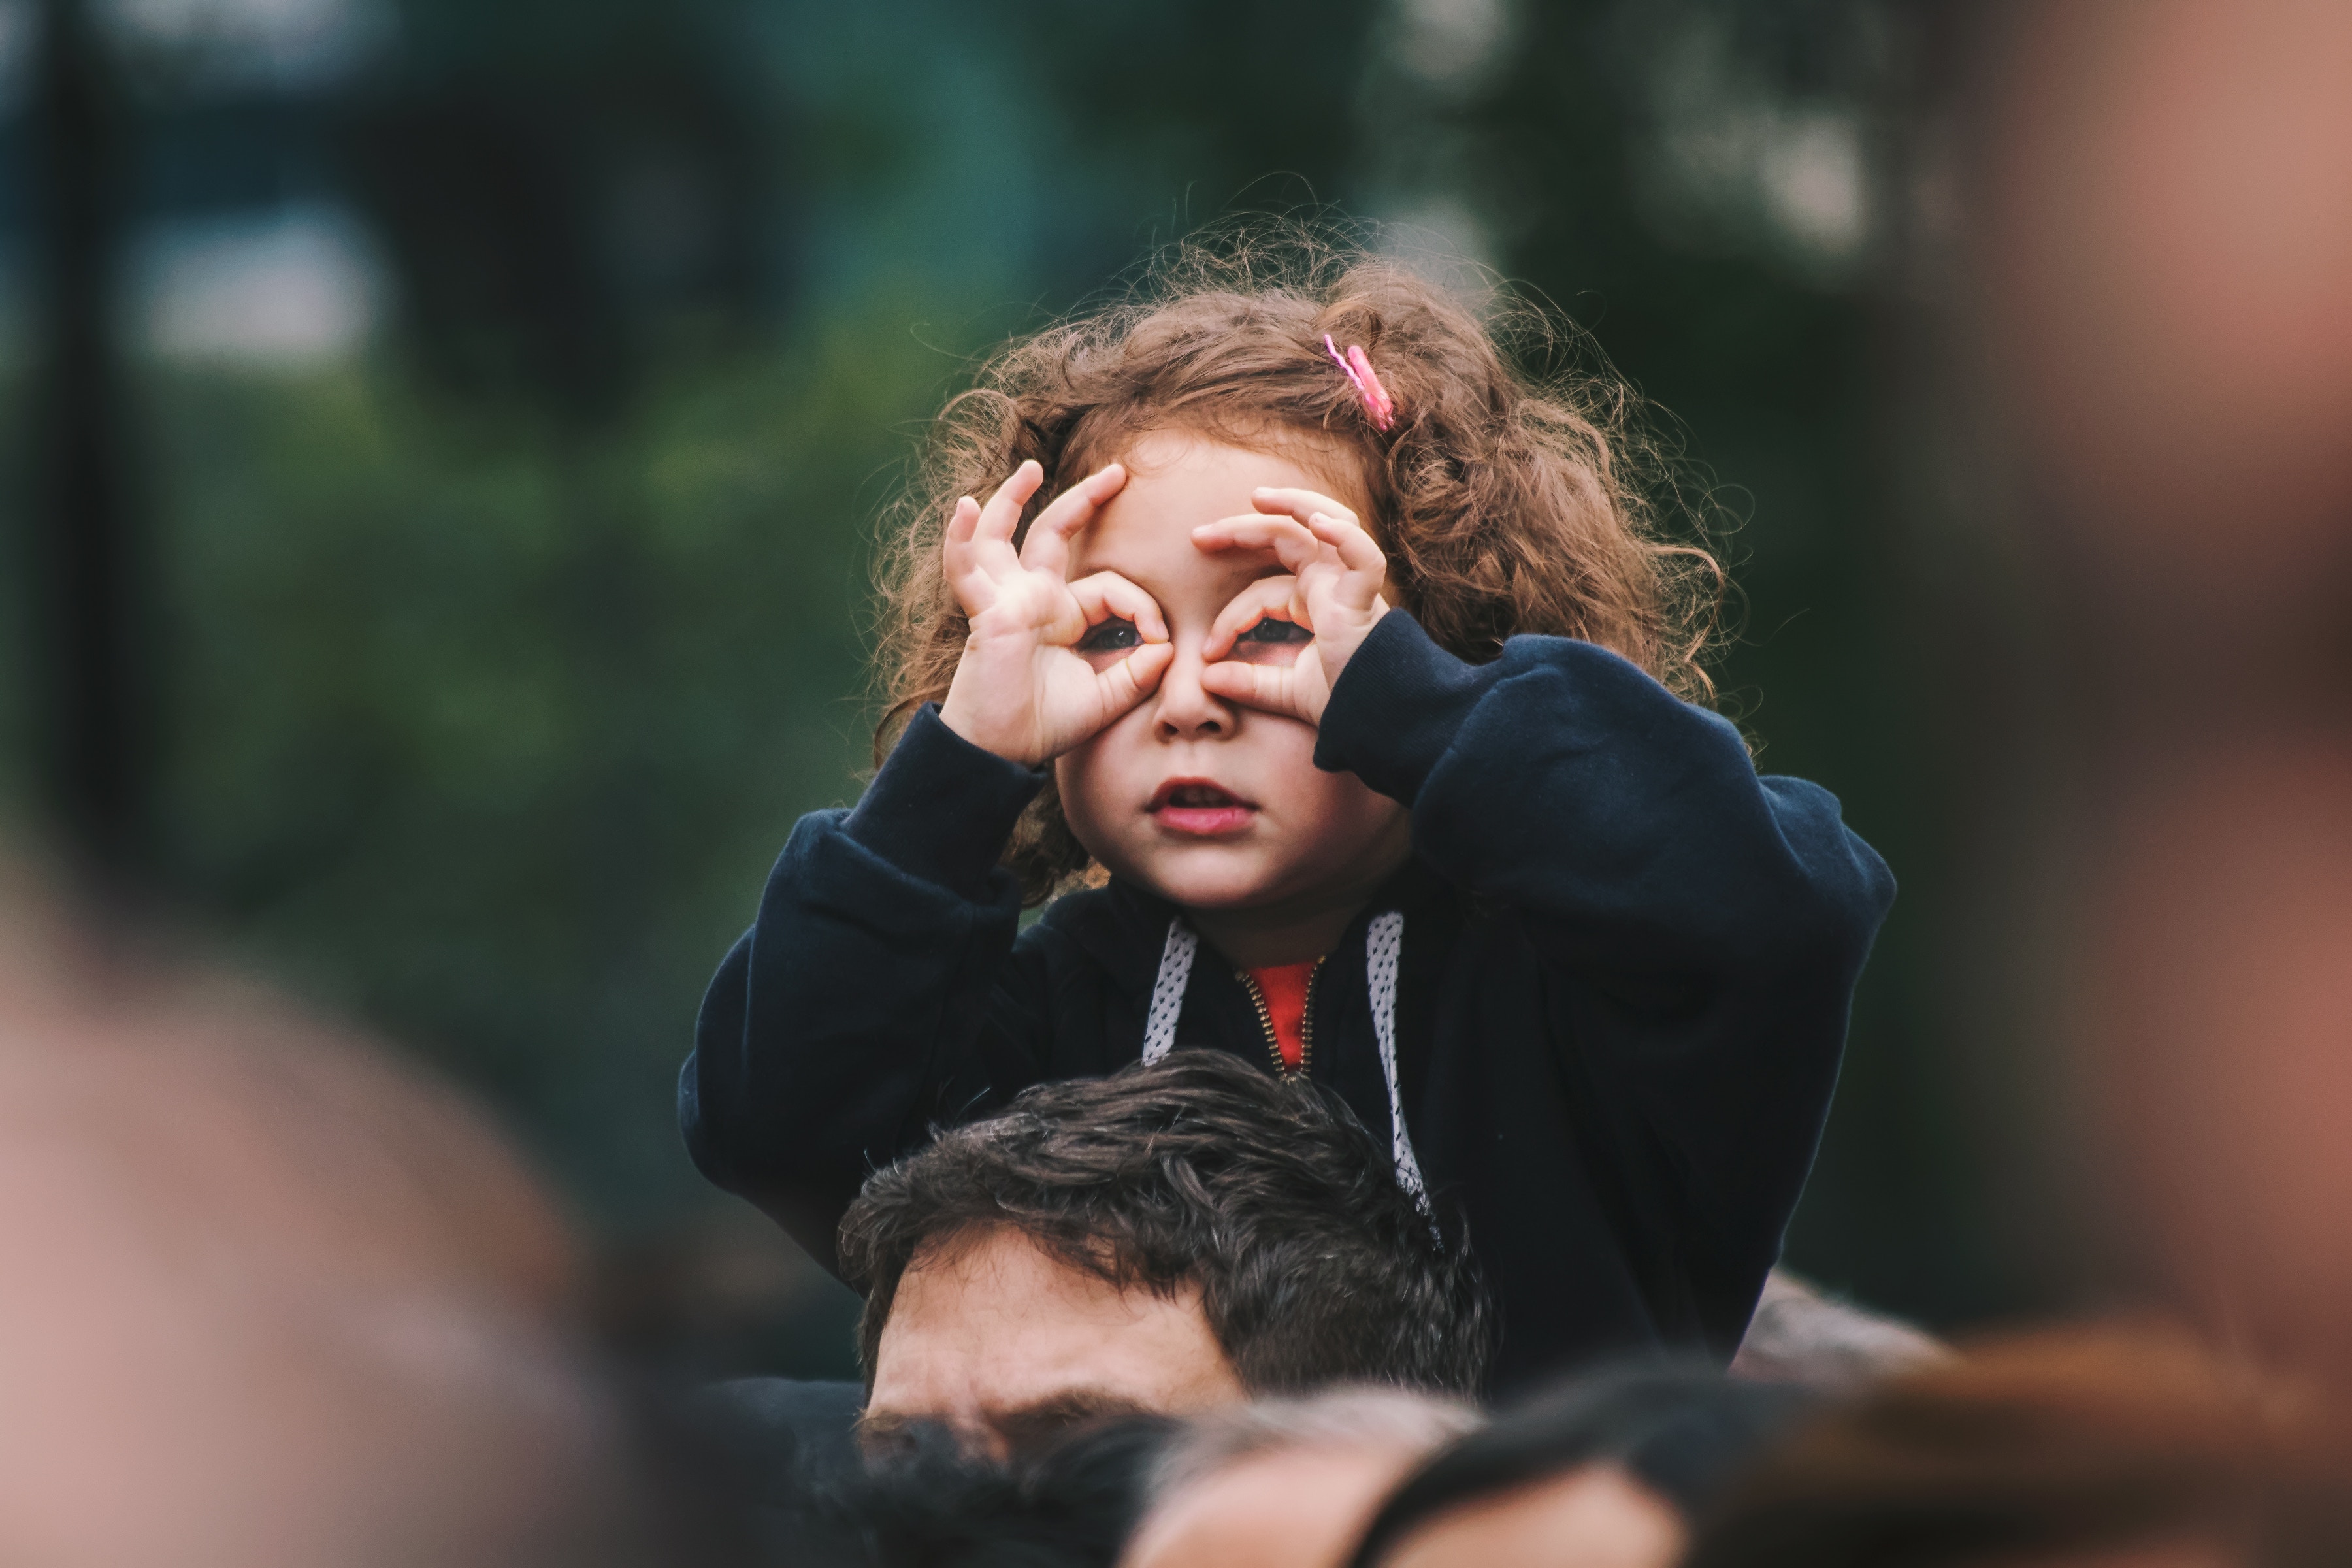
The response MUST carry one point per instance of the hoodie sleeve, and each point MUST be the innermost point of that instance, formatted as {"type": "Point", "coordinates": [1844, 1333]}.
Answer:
{"type": "Point", "coordinates": [1706, 924]}
{"type": "Point", "coordinates": [852, 1013]}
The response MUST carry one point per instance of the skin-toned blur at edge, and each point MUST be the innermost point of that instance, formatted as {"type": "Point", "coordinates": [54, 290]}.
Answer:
{"type": "Point", "coordinates": [1286, 1483]}
{"type": "Point", "coordinates": [224, 1346]}
{"type": "Point", "coordinates": [1597, 1517]}
{"type": "Point", "coordinates": [1611, 1470]}
{"type": "Point", "coordinates": [2167, 239]}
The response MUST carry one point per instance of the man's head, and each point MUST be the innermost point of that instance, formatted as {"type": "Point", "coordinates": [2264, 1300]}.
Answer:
{"type": "Point", "coordinates": [1167, 1239]}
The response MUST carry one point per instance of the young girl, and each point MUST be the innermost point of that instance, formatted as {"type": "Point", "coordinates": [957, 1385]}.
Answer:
{"type": "Point", "coordinates": [1326, 666]}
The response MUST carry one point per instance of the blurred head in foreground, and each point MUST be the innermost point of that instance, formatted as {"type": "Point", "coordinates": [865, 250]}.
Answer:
{"type": "Point", "coordinates": [2165, 235]}
{"type": "Point", "coordinates": [2064, 1450]}
{"type": "Point", "coordinates": [931, 1503]}
{"type": "Point", "coordinates": [270, 1299]}
{"type": "Point", "coordinates": [1801, 1335]}
{"type": "Point", "coordinates": [1164, 1240]}
{"type": "Point", "coordinates": [1605, 1472]}
{"type": "Point", "coordinates": [1287, 1483]}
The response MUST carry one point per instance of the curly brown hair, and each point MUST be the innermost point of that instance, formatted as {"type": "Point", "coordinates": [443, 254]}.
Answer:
{"type": "Point", "coordinates": [1505, 502]}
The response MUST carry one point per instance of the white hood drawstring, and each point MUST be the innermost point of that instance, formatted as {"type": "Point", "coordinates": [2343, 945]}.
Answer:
{"type": "Point", "coordinates": [1168, 991]}
{"type": "Point", "coordinates": [1382, 945]}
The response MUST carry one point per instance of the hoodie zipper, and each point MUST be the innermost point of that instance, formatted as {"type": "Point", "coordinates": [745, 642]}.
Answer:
{"type": "Point", "coordinates": [1282, 1068]}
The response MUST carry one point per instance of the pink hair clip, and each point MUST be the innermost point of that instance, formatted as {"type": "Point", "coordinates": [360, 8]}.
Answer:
{"type": "Point", "coordinates": [1358, 369]}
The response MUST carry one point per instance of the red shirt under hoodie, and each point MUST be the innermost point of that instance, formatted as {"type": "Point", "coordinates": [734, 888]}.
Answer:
{"type": "Point", "coordinates": [1285, 987]}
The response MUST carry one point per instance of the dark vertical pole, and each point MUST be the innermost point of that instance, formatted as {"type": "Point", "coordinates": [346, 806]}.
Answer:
{"type": "Point", "coordinates": [92, 708]}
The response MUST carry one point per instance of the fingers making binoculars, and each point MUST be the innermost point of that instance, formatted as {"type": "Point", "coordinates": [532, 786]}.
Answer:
{"type": "Point", "coordinates": [1107, 596]}
{"type": "Point", "coordinates": [978, 552]}
{"type": "Point", "coordinates": [1291, 690]}
{"type": "Point", "coordinates": [1305, 529]}
{"type": "Point", "coordinates": [1333, 570]}
{"type": "Point", "coordinates": [1048, 548]}
{"type": "Point", "coordinates": [1268, 598]}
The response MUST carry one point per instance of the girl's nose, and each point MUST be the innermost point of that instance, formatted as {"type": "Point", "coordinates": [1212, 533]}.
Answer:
{"type": "Point", "coordinates": [1183, 709]}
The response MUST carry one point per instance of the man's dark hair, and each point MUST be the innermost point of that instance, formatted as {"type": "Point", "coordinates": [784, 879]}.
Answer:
{"type": "Point", "coordinates": [1314, 1267]}
{"type": "Point", "coordinates": [1681, 1430]}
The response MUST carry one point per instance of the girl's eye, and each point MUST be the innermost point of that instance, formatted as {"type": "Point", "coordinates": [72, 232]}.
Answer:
{"type": "Point", "coordinates": [1275, 631]}
{"type": "Point", "coordinates": [1110, 637]}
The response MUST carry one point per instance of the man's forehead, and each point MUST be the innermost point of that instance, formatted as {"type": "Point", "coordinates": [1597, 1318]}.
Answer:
{"type": "Point", "coordinates": [994, 1327]}
{"type": "Point", "coordinates": [1000, 1304]}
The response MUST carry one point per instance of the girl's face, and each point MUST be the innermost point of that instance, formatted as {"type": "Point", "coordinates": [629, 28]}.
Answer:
{"type": "Point", "coordinates": [1210, 805]}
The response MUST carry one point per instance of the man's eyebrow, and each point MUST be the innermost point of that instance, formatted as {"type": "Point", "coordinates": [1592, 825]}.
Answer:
{"type": "Point", "coordinates": [1019, 1426]}
{"type": "Point", "coordinates": [879, 1435]}
{"type": "Point", "coordinates": [1045, 1419]}
{"type": "Point", "coordinates": [889, 1423]}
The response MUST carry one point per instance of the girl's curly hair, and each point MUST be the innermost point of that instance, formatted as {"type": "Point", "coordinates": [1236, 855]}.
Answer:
{"type": "Point", "coordinates": [1505, 502]}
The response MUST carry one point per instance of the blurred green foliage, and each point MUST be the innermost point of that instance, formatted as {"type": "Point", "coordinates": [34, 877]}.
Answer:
{"type": "Point", "coordinates": [488, 727]}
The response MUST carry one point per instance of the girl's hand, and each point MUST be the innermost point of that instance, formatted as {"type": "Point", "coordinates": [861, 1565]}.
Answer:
{"type": "Point", "coordinates": [1256, 653]}
{"type": "Point", "coordinates": [1047, 661]}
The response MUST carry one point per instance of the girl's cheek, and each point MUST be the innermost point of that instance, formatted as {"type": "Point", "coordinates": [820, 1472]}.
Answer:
{"type": "Point", "coordinates": [1083, 776]}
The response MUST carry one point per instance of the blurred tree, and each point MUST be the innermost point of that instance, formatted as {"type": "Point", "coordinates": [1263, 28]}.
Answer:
{"type": "Point", "coordinates": [555, 186]}
{"type": "Point", "coordinates": [88, 658]}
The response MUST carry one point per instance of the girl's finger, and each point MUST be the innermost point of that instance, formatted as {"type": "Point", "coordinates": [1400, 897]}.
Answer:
{"type": "Point", "coordinates": [1297, 503]}
{"type": "Point", "coordinates": [964, 519]}
{"type": "Point", "coordinates": [1367, 568]}
{"type": "Point", "coordinates": [1268, 687]}
{"type": "Point", "coordinates": [955, 544]}
{"type": "Point", "coordinates": [1132, 678]}
{"type": "Point", "coordinates": [1275, 597]}
{"type": "Point", "coordinates": [1106, 594]}
{"type": "Point", "coordinates": [1292, 543]}
{"type": "Point", "coordinates": [959, 561]}
{"type": "Point", "coordinates": [1047, 547]}
{"type": "Point", "coordinates": [1001, 515]}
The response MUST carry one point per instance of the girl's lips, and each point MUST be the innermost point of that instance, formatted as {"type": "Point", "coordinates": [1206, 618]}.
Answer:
{"type": "Point", "coordinates": [1205, 821]}
{"type": "Point", "coordinates": [1200, 808]}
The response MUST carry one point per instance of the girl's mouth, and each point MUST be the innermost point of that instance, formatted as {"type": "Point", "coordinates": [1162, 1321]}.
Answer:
{"type": "Point", "coordinates": [1199, 808]}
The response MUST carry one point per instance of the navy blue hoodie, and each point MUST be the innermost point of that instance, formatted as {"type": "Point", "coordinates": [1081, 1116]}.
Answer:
{"type": "Point", "coordinates": [1626, 966]}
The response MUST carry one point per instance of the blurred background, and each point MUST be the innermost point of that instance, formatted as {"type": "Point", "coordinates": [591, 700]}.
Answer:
{"type": "Point", "coordinates": [443, 436]}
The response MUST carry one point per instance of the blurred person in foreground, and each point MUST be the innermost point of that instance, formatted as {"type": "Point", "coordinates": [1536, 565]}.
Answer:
{"type": "Point", "coordinates": [1608, 1471]}
{"type": "Point", "coordinates": [2164, 235]}
{"type": "Point", "coordinates": [1165, 1241]}
{"type": "Point", "coordinates": [271, 1299]}
{"type": "Point", "coordinates": [931, 1503]}
{"type": "Point", "coordinates": [1287, 1483]}
{"type": "Point", "coordinates": [1802, 1334]}
{"type": "Point", "coordinates": [2072, 1449]}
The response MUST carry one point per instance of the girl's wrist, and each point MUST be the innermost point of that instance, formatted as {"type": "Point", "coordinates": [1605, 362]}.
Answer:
{"type": "Point", "coordinates": [1355, 635]}
{"type": "Point", "coordinates": [969, 727]}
